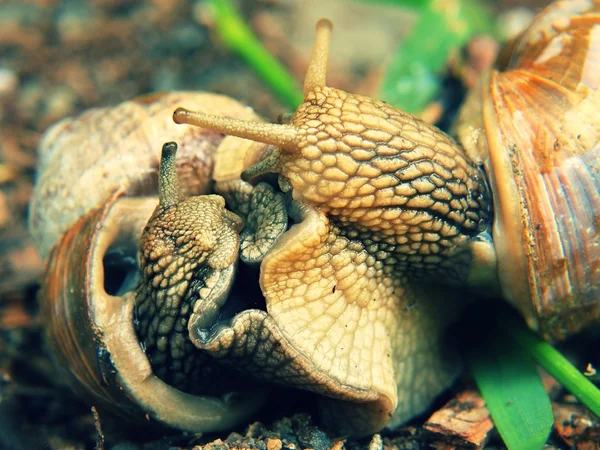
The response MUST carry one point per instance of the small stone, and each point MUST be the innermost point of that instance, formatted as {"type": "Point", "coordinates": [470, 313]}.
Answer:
{"type": "Point", "coordinates": [74, 22]}
{"type": "Point", "coordinates": [60, 102]}
{"type": "Point", "coordinates": [8, 83]}
{"type": "Point", "coordinates": [214, 445]}
{"type": "Point", "coordinates": [30, 97]}
{"type": "Point", "coordinates": [576, 426]}
{"type": "Point", "coordinates": [274, 444]}
{"type": "Point", "coordinates": [376, 443]}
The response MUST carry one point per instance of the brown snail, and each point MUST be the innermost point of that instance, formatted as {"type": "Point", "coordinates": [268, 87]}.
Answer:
{"type": "Point", "coordinates": [372, 179]}
{"type": "Point", "coordinates": [97, 188]}
{"type": "Point", "coordinates": [388, 213]}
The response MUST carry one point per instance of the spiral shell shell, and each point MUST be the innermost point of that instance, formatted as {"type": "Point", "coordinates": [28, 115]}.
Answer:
{"type": "Point", "coordinates": [96, 190]}
{"type": "Point", "coordinates": [84, 160]}
{"type": "Point", "coordinates": [536, 127]}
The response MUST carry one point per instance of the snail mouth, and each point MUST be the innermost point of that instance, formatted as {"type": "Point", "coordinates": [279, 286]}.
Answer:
{"type": "Point", "coordinates": [244, 295]}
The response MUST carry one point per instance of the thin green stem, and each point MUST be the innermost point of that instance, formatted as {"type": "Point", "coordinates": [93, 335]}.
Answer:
{"type": "Point", "coordinates": [554, 363]}
{"type": "Point", "coordinates": [236, 34]}
{"type": "Point", "coordinates": [414, 4]}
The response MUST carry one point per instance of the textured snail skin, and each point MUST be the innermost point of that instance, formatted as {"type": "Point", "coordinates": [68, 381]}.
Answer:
{"type": "Point", "coordinates": [189, 250]}
{"type": "Point", "coordinates": [92, 335]}
{"type": "Point", "coordinates": [387, 210]}
{"type": "Point", "coordinates": [387, 207]}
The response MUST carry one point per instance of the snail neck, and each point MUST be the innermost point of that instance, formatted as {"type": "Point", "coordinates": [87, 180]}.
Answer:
{"type": "Point", "coordinates": [180, 268]}
{"type": "Point", "coordinates": [464, 262]}
{"type": "Point", "coordinates": [188, 252]}
{"type": "Point", "coordinates": [397, 184]}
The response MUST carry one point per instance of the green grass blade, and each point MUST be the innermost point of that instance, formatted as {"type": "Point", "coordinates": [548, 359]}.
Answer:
{"type": "Point", "coordinates": [234, 33]}
{"type": "Point", "coordinates": [412, 4]}
{"type": "Point", "coordinates": [553, 362]}
{"type": "Point", "coordinates": [508, 381]}
{"type": "Point", "coordinates": [410, 81]}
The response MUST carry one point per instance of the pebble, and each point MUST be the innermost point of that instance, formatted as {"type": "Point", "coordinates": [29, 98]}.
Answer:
{"type": "Point", "coordinates": [376, 443]}
{"type": "Point", "coordinates": [74, 21]}
{"type": "Point", "coordinates": [9, 81]}
{"type": "Point", "coordinates": [60, 102]}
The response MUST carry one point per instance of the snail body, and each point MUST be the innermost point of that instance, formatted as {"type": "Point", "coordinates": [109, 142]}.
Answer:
{"type": "Point", "coordinates": [368, 178]}
{"type": "Point", "coordinates": [393, 224]}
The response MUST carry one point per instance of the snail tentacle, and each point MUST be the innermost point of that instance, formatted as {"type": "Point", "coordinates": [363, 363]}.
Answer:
{"type": "Point", "coordinates": [271, 163]}
{"type": "Point", "coordinates": [264, 213]}
{"type": "Point", "coordinates": [316, 75]}
{"type": "Point", "coordinates": [169, 192]}
{"type": "Point", "coordinates": [284, 136]}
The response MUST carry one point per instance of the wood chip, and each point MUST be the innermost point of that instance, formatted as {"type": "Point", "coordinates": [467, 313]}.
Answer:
{"type": "Point", "coordinates": [464, 422]}
{"type": "Point", "coordinates": [576, 426]}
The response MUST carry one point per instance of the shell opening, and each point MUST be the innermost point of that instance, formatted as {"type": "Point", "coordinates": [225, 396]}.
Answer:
{"type": "Point", "coordinates": [121, 272]}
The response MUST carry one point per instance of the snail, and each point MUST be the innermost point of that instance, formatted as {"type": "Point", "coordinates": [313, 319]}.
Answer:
{"type": "Point", "coordinates": [385, 203]}
{"type": "Point", "coordinates": [393, 224]}
{"type": "Point", "coordinates": [95, 192]}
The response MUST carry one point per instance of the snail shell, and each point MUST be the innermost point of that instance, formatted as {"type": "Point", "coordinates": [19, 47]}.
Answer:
{"type": "Point", "coordinates": [535, 124]}
{"type": "Point", "coordinates": [83, 160]}
{"type": "Point", "coordinates": [96, 190]}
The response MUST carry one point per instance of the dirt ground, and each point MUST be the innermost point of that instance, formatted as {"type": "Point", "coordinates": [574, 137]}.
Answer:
{"type": "Point", "coordinates": [58, 58]}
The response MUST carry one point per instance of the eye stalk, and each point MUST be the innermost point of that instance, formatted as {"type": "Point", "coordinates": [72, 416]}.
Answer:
{"type": "Point", "coordinates": [169, 191]}
{"type": "Point", "coordinates": [287, 137]}
{"type": "Point", "coordinates": [316, 75]}
{"type": "Point", "coordinates": [284, 136]}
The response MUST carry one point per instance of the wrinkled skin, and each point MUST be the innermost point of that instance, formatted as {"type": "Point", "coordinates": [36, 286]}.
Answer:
{"type": "Point", "coordinates": [386, 210]}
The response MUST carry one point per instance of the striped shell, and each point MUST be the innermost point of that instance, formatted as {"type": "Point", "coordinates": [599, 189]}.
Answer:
{"type": "Point", "coordinates": [95, 193]}
{"type": "Point", "coordinates": [541, 150]}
